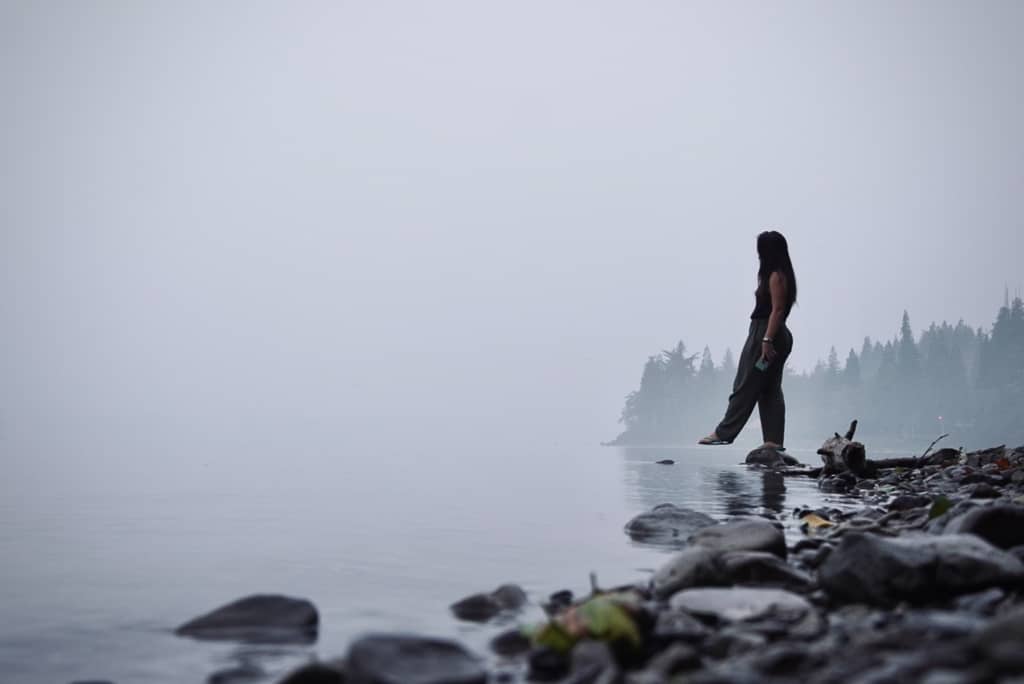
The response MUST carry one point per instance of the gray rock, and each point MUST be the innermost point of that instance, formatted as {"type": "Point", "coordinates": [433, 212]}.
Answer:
{"type": "Point", "coordinates": [1000, 641]}
{"type": "Point", "coordinates": [750, 606]}
{"type": "Point", "coordinates": [917, 568]}
{"type": "Point", "coordinates": [731, 642]}
{"type": "Point", "coordinates": [765, 456]}
{"type": "Point", "coordinates": [905, 502]}
{"type": "Point", "coordinates": [667, 524]}
{"type": "Point", "coordinates": [751, 534]}
{"type": "Point", "coordinates": [761, 568]}
{"type": "Point", "coordinates": [262, 618]}
{"type": "Point", "coordinates": [547, 665]}
{"type": "Point", "coordinates": [676, 659]}
{"type": "Point", "coordinates": [590, 663]}
{"type": "Point", "coordinates": [836, 484]}
{"type": "Point", "coordinates": [237, 674]}
{"type": "Point", "coordinates": [483, 607]}
{"type": "Point", "coordinates": [511, 642]}
{"type": "Point", "coordinates": [332, 672]}
{"type": "Point", "coordinates": [672, 625]}
{"type": "Point", "coordinates": [692, 567]}
{"type": "Point", "coordinates": [982, 490]}
{"type": "Point", "coordinates": [985, 456]}
{"type": "Point", "coordinates": [982, 602]}
{"type": "Point", "coordinates": [1001, 525]}
{"type": "Point", "coordinates": [409, 659]}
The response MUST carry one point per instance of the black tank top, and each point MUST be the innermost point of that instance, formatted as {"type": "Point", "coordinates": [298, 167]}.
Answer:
{"type": "Point", "coordinates": [762, 304]}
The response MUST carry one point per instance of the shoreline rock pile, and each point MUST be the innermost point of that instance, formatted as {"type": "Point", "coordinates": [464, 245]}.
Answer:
{"type": "Point", "coordinates": [922, 580]}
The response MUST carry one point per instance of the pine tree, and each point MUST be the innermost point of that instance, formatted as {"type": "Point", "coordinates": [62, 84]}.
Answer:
{"type": "Point", "coordinates": [851, 373]}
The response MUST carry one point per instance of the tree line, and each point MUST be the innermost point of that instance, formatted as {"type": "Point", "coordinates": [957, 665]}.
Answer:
{"type": "Point", "coordinates": [950, 379]}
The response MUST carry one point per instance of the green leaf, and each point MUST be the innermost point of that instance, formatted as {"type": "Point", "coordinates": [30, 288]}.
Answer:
{"type": "Point", "coordinates": [607, 620]}
{"type": "Point", "coordinates": [939, 506]}
{"type": "Point", "coordinates": [552, 635]}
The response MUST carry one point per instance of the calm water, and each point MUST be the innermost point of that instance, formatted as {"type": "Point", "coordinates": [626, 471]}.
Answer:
{"type": "Point", "coordinates": [103, 558]}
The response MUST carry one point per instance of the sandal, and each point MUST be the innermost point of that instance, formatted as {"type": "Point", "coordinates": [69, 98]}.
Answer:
{"type": "Point", "coordinates": [713, 440]}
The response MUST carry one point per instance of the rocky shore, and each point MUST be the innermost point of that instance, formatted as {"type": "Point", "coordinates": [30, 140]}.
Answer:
{"type": "Point", "coordinates": [921, 580]}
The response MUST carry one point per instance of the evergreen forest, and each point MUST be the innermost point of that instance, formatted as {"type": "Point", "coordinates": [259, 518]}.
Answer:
{"type": "Point", "coordinates": [951, 379]}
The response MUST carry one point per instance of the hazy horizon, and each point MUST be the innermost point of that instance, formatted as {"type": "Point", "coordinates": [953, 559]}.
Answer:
{"type": "Point", "coordinates": [460, 219]}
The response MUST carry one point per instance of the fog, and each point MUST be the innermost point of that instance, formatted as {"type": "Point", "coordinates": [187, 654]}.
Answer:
{"type": "Point", "coordinates": [268, 222]}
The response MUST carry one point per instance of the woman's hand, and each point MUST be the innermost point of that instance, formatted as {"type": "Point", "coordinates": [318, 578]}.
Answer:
{"type": "Point", "coordinates": [767, 351]}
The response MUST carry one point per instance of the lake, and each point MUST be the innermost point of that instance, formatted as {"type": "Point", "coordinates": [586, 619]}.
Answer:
{"type": "Point", "coordinates": [106, 552]}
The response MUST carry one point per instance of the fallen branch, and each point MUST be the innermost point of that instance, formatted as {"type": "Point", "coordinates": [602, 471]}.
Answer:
{"type": "Point", "coordinates": [934, 442]}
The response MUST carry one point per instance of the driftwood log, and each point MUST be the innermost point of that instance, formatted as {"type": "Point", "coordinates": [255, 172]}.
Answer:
{"type": "Point", "coordinates": [842, 454]}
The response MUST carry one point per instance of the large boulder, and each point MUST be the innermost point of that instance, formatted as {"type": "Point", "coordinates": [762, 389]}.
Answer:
{"type": "Point", "coordinates": [261, 618]}
{"type": "Point", "coordinates": [866, 568]}
{"type": "Point", "coordinates": [409, 659]}
{"type": "Point", "coordinates": [749, 534]}
{"type": "Point", "coordinates": [667, 525]}
{"type": "Point", "coordinates": [1001, 525]}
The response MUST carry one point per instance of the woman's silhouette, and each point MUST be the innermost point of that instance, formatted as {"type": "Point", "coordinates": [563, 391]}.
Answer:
{"type": "Point", "coordinates": [759, 372]}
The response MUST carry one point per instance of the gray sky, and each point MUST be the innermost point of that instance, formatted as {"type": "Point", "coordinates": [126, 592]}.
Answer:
{"type": "Point", "coordinates": [473, 218]}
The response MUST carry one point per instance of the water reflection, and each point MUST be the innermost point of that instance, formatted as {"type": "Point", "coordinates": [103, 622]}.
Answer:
{"type": "Point", "coordinates": [709, 480]}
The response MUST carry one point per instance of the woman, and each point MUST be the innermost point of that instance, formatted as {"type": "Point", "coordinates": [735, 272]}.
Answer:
{"type": "Point", "coordinates": [759, 373]}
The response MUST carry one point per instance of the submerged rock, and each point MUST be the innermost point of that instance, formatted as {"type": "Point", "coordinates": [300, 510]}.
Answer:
{"type": "Point", "coordinates": [483, 607]}
{"type": "Point", "coordinates": [409, 659]}
{"type": "Point", "coordinates": [751, 534]}
{"type": "Point", "coordinates": [667, 524]}
{"type": "Point", "coordinates": [262, 618]}
{"type": "Point", "coordinates": [872, 569]}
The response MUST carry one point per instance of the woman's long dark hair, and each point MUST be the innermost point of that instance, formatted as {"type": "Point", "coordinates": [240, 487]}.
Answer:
{"type": "Point", "coordinates": [773, 253]}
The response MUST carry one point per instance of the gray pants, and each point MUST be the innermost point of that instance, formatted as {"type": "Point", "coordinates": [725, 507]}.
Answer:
{"type": "Point", "coordinates": [761, 387]}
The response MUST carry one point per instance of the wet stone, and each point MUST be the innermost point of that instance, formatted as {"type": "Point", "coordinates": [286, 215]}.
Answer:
{"type": "Point", "coordinates": [671, 625]}
{"type": "Point", "coordinates": [409, 659]}
{"type": "Point", "coordinates": [751, 534]}
{"type": "Point", "coordinates": [547, 665]}
{"type": "Point", "coordinates": [590, 660]}
{"type": "Point", "coordinates": [763, 569]}
{"type": "Point", "coordinates": [667, 525]}
{"type": "Point", "coordinates": [917, 568]}
{"type": "Point", "coordinates": [261, 618]}
{"type": "Point", "coordinates": [511, 642]}
{"type": "Point", "coordinates": [905, 502]}
{"type": "Point", "coordinates": [1001, 525]}
{"type": "Point", "coordinates": [691, 567]}
{"type": "Point", "coordinates": [483, 607]}
{"type": "Point", "coordinates": [317, 673]}
{"type": "Point", "coordinates": [748, 604]}
{"type": "Point", "coordinates": [1000, 641]}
